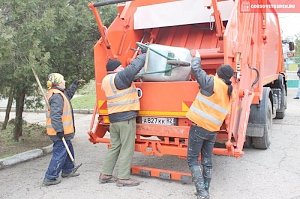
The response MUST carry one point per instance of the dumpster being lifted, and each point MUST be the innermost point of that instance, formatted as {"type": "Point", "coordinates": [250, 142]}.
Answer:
{"type": "Point", "coordinates": [223, 33]}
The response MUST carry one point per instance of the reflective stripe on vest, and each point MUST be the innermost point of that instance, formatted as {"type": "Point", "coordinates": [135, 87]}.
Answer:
{"type": "Point", "coordinates": [210, 112]}
{"type": "Point", "coordinates": [67, 118]}
{"type": "Point", "coordinates": [119, 100]}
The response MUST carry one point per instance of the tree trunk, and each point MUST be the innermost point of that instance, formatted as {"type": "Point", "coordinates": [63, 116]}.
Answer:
{"type": "Point", "coordinates": [20, 98]}
{"type": "Point", "coordinates": [8, 107]}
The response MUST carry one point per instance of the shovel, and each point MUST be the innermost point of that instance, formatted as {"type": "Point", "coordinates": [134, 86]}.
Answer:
{"type": "Point", "coordinates": [76, 167]}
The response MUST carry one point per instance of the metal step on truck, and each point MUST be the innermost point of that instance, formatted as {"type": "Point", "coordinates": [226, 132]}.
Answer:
{"type": "Point", "coordinates": [223, 33]}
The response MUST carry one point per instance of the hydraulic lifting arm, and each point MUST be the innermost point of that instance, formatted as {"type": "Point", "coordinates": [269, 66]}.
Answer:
{"type": "Point", "coordinates": [101, 27]}
{"type": "Point", "coordinates": [218, 21]}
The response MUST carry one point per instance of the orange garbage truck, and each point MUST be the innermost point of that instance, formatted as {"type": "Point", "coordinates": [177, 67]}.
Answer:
{"type": "Point", "coordinates": [223, 33]}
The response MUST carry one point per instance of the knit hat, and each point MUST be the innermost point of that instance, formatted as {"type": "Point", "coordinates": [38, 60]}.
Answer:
{"type": "Point", "coordinates": [225, 72]}
{"type": "Point", "coordinates": [54, 79]}
{"type": "Point", "coordinates": [112, 64]}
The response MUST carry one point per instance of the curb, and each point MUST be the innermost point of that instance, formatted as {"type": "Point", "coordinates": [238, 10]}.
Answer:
{"type": "Point", "coordinates": [83, 111]}
{"type": "Point", "coordinates": [25, 156]}
{"type": "Point", "coordinates": [80, 111]}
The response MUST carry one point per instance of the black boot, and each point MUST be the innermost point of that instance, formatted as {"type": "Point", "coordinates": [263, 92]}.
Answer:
{"type": "Point", "coordinates": [207, 177]}
{"type": "Point", "coordinates": [207, 183]}
{"type": "Point", "coordinates": [199, 182]}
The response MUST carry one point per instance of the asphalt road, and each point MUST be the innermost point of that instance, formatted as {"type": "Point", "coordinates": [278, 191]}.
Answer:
{"type": "Point", "coordinates": [259, 174]}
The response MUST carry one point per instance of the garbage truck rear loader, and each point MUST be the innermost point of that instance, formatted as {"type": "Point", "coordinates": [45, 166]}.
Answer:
{"type": "Point", "coordinates": [223, 34]}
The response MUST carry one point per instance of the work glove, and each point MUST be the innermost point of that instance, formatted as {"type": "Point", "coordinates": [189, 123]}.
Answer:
{"type": "Point", "coordinates": [144, 49]}
{"type": "Point", "coordinates": [81, 81]}
{"type": "Point", "coordinates": [196, 60]}
{"type": "Point", "coordinates": [196, 63]}
{"type": "Point", "coordinates": [60, 135]}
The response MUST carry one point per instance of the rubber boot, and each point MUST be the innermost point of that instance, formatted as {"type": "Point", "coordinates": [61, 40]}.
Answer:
{"type": "Point", "coordinates": [198, 180]}
{"type": "Point", "coordinates": [73, 172]}
{"type": "Point", "coordinates": [207, 183]}
{"type": "Point", "coordinates": [207, 177]}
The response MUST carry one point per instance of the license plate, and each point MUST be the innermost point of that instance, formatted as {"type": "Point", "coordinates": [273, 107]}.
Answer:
{"type": "Point", "coordinates": [158, 120]}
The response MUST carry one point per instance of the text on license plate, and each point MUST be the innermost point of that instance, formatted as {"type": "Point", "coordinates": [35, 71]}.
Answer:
{"type": "Point", "coordinates": [158, 120]}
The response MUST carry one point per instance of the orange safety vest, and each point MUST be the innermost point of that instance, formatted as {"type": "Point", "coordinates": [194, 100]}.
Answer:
{"type": "Point", "coordinates": [119, 100]}
{"type": "Point", "coordinates": [66, 118]}
{"type": "Point", "coordinates": [210, 112]}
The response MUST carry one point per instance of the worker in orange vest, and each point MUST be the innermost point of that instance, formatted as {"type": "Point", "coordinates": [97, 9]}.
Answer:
{"type": "Point", "coordinates": [60, 123]}
{"type": "Point", "coordinates": [123, 105]}
{"type": "Point", "coordinates": [207, 113]}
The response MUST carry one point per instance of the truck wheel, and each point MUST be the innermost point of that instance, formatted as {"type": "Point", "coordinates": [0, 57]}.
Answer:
{"type": "Point", "coordinates": [264, 141]}
{"type": "Point", "coordinates": [248, 142]}
{"type": "Point", "coordinates": [281, 113]}
{"type": "Point", "coordinates": [279, 83]}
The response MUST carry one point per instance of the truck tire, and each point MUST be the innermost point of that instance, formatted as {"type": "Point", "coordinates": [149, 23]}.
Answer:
{"type": "Point", "coordinates": [264, 141]}
{"type": "Point", "coordinates": [248, 142]}
{"type": "Point", "coordinates": [280, 83]}
{"type": "Point", "coordinates": [281, 113]}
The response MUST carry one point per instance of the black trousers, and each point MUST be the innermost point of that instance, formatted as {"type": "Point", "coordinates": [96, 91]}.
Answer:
{"type": "Point", "coordinates": [201, 141]}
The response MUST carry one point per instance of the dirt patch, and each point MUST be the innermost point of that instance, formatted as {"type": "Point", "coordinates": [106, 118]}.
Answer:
{"type": "Point", "coordinates": [34, 136]}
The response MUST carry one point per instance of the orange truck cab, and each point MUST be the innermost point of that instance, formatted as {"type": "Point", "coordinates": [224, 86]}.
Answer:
{"type": "Point", "coordinates": [223, 33]}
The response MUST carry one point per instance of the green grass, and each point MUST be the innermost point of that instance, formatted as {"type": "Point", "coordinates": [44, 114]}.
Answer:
{"type": "Point", "coordinates": [88, 88]}
{"type": "Point", "coordinates": [33, 136]}
{"type": "Point", "coordinates": [84, 102]}
{"type": "Point", "coordinates": [86, 98]}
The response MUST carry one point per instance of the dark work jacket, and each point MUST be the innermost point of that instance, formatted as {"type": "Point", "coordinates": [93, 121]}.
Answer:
{"type": "Point", "coordinates": [124, 80]}
{"type": "Point", "coordinates": [56, 103]}
{"type": "Point", "coordinates": [206, 84]}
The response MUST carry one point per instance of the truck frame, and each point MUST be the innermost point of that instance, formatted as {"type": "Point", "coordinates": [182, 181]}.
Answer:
{"type": "Point", "coordinates": [223, 34]}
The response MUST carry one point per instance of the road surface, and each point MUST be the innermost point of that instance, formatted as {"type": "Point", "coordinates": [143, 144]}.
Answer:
{"type": "Point", "coordinates": [259, 174]}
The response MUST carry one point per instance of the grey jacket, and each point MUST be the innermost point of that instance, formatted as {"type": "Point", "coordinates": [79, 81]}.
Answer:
{"type": "Point", "coordinates": [206, 84]}
{"type": "Point", "coordinates": [124, 80]}
{"type": "Point", "coordinates": [205, 81]}
{"type": "Point", "coordinates": [56, 102]}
